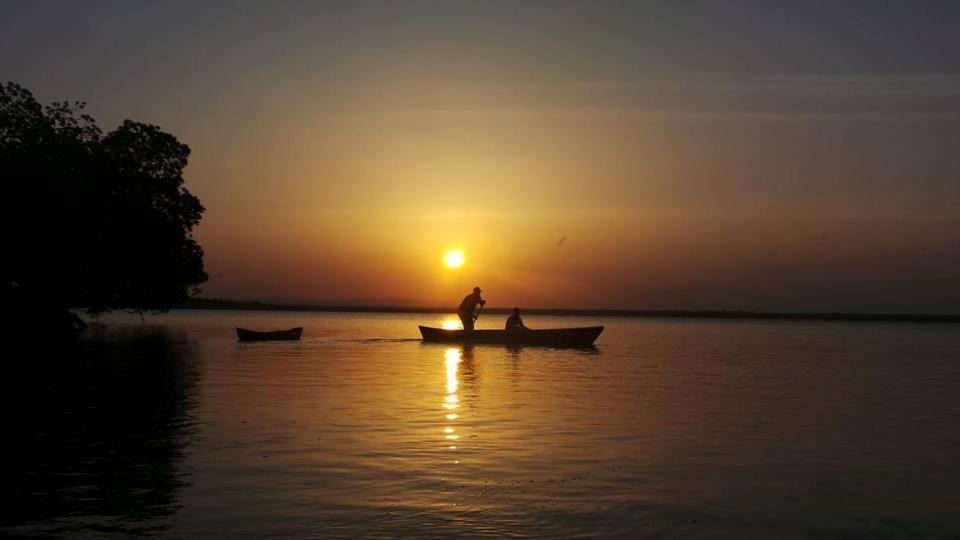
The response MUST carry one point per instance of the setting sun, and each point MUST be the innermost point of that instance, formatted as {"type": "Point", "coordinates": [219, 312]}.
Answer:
{"type": "Point", "coordinates": [454, 259]}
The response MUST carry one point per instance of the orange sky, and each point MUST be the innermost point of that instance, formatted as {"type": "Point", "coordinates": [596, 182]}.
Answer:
{"type": "Point", "coordinates": [659, 211]}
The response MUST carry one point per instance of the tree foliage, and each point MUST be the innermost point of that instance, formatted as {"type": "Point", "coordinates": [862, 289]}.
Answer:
{"type": "Point", "coordinates": [94, 220]}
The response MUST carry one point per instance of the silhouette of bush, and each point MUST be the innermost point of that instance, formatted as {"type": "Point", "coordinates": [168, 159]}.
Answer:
{"type": "Point", "coordinates": [92, 220]}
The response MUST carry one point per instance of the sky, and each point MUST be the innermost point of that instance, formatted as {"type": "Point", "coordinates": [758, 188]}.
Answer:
{"type": "Point", "coordinates": [780, 156]}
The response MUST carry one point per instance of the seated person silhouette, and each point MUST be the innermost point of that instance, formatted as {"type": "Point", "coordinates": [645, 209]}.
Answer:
{"type": "Point", "coordinates": [465, 311]}
{"type": "Point", "coordinates": [514, 322]}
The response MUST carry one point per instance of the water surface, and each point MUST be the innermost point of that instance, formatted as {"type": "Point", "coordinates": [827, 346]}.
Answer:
{"type": "Point", "coordinates": [668, 428]}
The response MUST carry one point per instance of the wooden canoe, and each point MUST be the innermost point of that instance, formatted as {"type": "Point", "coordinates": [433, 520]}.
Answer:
{"type": "Point", "coordinates": [292, 334]}
{"type": "Point", "coordinates": [553, 337]}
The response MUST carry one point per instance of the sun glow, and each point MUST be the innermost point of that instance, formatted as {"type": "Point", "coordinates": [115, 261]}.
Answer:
{"type": "Point", "coordinates": [454, 258]}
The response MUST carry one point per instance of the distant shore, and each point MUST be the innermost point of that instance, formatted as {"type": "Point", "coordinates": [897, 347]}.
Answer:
{"type": "Point", "coordinates": [221, 303]}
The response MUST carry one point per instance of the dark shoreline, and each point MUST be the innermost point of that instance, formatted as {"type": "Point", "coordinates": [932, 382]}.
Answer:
{"type": "Point", "coordinates": [216, 303]}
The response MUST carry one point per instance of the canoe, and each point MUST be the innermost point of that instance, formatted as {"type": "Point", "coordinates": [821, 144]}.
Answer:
{"type": "Point", "coordinates": [554, 337]}
{"type": "Point", "coordinates": [292, 334]}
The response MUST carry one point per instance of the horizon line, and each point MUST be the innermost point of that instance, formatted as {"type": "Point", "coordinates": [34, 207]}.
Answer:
{"type": "Point", "coordinates": [256, 305]}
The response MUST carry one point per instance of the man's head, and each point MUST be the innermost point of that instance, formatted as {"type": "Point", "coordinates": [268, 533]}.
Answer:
{"type": "Point", "coordinates": [516, 311]}
{"type": "Point", "coordinates": [476, 290]}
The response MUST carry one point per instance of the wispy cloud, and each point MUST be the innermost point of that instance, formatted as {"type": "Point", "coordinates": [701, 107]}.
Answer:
{"type": "Point", "coordinates": [765, 98]}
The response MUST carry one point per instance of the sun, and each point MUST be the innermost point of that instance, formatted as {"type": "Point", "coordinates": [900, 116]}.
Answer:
{"type": "Point", "coordinates": [454, 258]}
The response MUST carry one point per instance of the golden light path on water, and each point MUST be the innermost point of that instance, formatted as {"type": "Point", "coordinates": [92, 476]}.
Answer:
{"type": "Point", "coordinates": [451, 401]}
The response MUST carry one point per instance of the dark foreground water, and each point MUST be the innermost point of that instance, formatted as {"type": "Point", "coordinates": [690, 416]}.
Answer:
{"type": "Point", "coordinates": [667, 429]}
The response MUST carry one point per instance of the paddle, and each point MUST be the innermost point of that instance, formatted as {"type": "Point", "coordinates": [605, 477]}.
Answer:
{"type": "Point", "coordinates": [477, 316]}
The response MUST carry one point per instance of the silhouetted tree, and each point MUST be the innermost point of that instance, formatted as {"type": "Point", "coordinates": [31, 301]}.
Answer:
{"type": "Point", "coordinates": [93, 220]}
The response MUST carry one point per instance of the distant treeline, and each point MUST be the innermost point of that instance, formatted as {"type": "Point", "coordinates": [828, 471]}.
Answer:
{"type": "Point", "coordinates": [223, 303]}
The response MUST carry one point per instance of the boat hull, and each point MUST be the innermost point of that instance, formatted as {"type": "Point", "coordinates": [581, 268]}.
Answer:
{"type": "Point", "coordinates": [292, 334]}
{"type": "Point", "coordinates": [556, 337]}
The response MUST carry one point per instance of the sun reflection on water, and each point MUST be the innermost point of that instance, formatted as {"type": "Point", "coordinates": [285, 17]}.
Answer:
{"type": "Point", "coordinates": [452, 362]}
{"type": "Point", "coordinates": [451, 401]}
{"type": "Point", "coordinates": [450, 324]}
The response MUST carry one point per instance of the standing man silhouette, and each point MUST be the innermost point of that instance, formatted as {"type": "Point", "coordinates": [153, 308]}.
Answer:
{"type": "Point", "coordinates": [465, 311]}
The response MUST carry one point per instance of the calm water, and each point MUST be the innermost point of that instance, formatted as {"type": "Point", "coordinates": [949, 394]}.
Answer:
{"type": "Point", "coordinates": [669, 429]}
